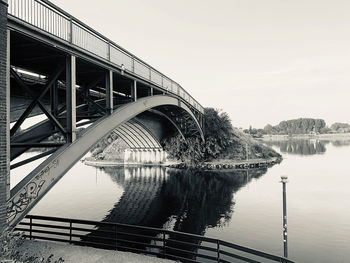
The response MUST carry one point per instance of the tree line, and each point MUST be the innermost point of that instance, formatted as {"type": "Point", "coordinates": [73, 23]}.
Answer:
{"type": "Point", "coordinates": [300, 126]}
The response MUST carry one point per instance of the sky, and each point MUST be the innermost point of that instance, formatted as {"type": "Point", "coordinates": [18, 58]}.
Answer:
{"type": "Point", "coordinates": [261, 61]}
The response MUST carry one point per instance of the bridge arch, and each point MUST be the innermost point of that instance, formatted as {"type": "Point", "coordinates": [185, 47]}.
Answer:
{"type": "Point", "coordinates": [34, 186]}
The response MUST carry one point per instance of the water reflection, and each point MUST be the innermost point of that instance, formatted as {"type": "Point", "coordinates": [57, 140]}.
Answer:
{"type": "Point", "coordinates": [301, 146]}
{"type": "Point", "coordinates": [341, 143]}
{"type": "Point", "coordinates": [186, 201]}
{"type": "Point", "coordinates": [306, 146]}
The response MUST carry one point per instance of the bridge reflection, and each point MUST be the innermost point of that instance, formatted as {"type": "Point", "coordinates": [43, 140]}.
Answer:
{"type": "Point", "coordinates": [186, 201]}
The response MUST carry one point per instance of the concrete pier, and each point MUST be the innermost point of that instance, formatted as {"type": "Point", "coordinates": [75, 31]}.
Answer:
{"type": "Point", "coordinates": [144, 156]}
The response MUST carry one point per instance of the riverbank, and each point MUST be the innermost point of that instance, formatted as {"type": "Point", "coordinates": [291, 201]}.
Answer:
{"type": "Point", "coordinates": [77, 254]}
{"type": "Point", "coordinates": [227, 164]}
{"type": "Point", "coordinates": [334, 136]}
{"type": "Point", "coordinates": [219, 164]}
{"type": "Point", "coordinates": [110, 163]}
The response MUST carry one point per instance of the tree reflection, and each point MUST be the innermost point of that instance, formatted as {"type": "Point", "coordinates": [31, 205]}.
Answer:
{"type": "Point", "coordinates": [186, 201]}
{"type": "Point", "coordinates": [341, 143]}
{"type": "Point", "coordinates": [300, 147]}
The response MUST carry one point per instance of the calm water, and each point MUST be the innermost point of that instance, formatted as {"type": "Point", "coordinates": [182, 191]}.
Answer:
{"type": "Point", "coordinates": [243, 207]}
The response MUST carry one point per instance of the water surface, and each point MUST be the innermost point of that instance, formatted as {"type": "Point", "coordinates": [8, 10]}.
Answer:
{"type": "Point", "coordinates": [243, 207]}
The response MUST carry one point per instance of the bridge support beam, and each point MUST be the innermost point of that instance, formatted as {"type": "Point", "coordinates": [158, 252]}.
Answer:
{"type": "Point", "coordinates": [109, 91]}
{"type": "Point", "coordinates": [71, 97]}
{"type": "Point", "coordinates": [5, 114]}
{"type": "Point", "coordinates": [150, 91]}
{"type": "Point", "coordinates": [134, 90]}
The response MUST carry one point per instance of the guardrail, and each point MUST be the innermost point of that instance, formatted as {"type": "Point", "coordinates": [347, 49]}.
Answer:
{"type": "Point", "coordinates": [46, 16]}
{"type": "Point", "coordinates": [159, 242]}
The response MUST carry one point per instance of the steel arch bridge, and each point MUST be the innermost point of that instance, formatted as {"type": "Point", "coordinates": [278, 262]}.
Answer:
{"type": "Point", "coordinates": [58, 66]}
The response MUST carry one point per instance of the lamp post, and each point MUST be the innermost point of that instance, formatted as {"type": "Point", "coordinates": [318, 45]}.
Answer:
{"type": "Point", "coordinates": [284, 181]}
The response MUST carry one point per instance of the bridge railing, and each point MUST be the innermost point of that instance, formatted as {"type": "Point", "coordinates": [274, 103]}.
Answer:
{"type": "Point", "coordinates": [154, 241]}
{"type": "Point", "coordinates": [46, 16]}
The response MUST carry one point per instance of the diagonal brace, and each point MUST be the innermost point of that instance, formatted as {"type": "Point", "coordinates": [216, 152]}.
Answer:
{"type": "Point", "coordinates": [36, 100]}
{"type": "Point", "coordinates": [98, 106]}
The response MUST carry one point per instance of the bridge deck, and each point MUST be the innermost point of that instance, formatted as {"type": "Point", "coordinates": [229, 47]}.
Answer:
{"type": "Point", "coordinates": [65, 31]}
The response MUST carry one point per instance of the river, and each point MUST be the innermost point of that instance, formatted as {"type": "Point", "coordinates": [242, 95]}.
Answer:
{"type": "Point", "coordinates": [243, 207]}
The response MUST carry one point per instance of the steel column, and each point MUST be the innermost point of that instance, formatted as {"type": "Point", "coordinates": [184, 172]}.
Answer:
{"type": "Point", "coordinates": [71, 97]}
{"type": "Point", "coordinates": [134, 90]}
{"type": "Point", "coordinates": [4, 116]}
{"type": "Point", "coordinates": [109, 91]}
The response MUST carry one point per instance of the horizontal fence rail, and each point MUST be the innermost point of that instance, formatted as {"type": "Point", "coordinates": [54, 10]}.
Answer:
{"type": "Point", "coordinates": [153, 241]}
{"type": "Point", "coordinates": [46, 16]}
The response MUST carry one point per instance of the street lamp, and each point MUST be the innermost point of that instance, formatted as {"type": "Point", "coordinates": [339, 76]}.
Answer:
{"type": "Point", "coordinates": [284, 181]}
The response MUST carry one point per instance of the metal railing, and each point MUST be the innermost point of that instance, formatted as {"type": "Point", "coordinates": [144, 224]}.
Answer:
{"type": "Point", "coordinates": [46, 16]}
{"type": "Point", "coordinates": [159, 242]}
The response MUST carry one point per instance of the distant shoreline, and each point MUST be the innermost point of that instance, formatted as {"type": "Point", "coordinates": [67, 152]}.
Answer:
{"type": "Point", "coordinates": [334, 136]}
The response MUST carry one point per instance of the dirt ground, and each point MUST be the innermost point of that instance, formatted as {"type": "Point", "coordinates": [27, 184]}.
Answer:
{"type": "Point", "coordinates": [78, 254]}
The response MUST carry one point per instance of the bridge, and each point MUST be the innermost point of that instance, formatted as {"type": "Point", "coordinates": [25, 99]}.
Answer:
{"type": "Point", "coordinates": [86, 86]}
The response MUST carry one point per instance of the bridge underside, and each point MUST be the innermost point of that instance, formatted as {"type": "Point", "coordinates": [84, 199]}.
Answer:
{"type": "Point", "coordinates": [82, 102]}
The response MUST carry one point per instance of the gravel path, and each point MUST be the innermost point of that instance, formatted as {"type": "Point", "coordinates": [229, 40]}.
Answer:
{"type": "Point", "coordinates": [78, 254]}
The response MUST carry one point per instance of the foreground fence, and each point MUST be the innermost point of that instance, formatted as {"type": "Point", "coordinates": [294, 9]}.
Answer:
{"type": "Point", "coordinates": [146, 240]}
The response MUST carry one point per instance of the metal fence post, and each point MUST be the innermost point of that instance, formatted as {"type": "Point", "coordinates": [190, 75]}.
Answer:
{"type": "Point", "coordinates": [116, 234]}
{"type": "Point", "coordinates": [164, 253]}
{"type": "Point", "coordinates": [133, 64]}
{"type": "Point", "coordinates": [218, 249]}
{"type": "Point", "coordinates": [108, 51]}
{"type": "Point", "coordinates": [70, 30]}
{"type": "Point", "coordinates": [70, 232]}
{"type": "Point", "coordinates": [30, 228]}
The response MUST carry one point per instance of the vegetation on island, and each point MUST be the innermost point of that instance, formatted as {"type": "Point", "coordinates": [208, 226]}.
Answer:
{"type": "Point", "coordinates": [222, 141]}
{"type": "Point", "coordinates": [300, 126]}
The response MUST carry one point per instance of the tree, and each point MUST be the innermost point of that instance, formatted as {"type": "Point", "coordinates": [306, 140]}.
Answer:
{"type": "Point", "coordinates": [340, 127]}
{"type": "Point", "coordinates": [297, 126]}
{"type": "Point", "coordinates": [218, 136]}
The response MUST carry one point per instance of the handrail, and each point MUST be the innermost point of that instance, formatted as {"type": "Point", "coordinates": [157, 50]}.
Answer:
{"type": "Point", "coordinates": [148, 240]}
{"type": "Point", "coordinates": [50, 18]}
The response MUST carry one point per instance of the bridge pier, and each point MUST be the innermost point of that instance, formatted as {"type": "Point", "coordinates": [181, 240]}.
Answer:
{"type": "Point", "coordinates": [138, 156]}
{"type": "Point", "coordinates": [127, 154]}
{"type": "Point", "coordinates": [5, 114]}
{"type": "Point", "coordinates": [144, 156]}
{"type": "Point", "coordinates": [152, 158]}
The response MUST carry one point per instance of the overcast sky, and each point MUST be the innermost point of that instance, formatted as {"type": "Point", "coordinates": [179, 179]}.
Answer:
{"type": "Point", "coordinates": [261, 61]}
